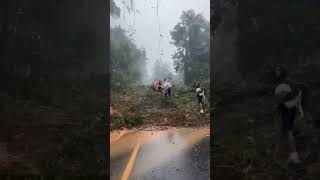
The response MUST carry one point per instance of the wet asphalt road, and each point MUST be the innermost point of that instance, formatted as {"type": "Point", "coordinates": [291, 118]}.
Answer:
{"type": "Point", "coordinates": [171, 154]}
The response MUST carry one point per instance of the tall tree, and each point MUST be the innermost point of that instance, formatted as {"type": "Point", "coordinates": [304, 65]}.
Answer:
{"type": "Point", "coordinates": [191, 36]}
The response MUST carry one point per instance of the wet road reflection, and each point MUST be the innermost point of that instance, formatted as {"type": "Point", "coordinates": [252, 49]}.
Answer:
{"type": "Point", "coordinates": [170, 154]}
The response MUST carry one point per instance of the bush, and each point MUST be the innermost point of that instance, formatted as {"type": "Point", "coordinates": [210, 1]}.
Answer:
{"type": "Point", "coordinates": [127, 121]}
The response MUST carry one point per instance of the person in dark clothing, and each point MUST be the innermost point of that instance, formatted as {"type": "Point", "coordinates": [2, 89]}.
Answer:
{"type": "Point", "coordinates": [200, 96]}
{"type": "Point", "coordinates": [160, 86]}
{"type": "Point", "coordinates": [289, 106]}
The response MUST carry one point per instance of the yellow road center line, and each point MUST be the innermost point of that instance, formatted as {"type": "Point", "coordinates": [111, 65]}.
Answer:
{"type": "Point", "coordinates": [131, 161]}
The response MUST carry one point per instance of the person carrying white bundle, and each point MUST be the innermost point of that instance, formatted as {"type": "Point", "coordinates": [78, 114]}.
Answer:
{"type": "Point", "coordinates": [291, 102]}
{"type": "Point", "coordinates": [200, 96]}
{"type": "Point", "coordinates": [167, 88]}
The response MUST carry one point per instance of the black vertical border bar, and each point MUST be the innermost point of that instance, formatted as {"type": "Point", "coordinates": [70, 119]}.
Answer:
{"type": "Point", "coordinates": [211, 90]}
{"type": "Point", "coordinates": [107, 141]}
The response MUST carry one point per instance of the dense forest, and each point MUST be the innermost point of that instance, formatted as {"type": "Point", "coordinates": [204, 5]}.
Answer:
{"type": "Point", "coordinates": [248, 38]}
{"type": "Point", "coordinates": [52, 43]}
{"type": "Point", "coordinates": [127, 62]}
{"type": "Point", "coordinates": [54, 72]}
{"type": "Point", "coordinates": [284, 32]}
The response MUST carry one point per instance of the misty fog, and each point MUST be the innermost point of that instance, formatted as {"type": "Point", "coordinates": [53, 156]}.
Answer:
{"type": "Point", "coordinates": [149, 27]}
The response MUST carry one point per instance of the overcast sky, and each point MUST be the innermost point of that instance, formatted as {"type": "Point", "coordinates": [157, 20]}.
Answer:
{"type": "Point", "coordinates": [146, 25]}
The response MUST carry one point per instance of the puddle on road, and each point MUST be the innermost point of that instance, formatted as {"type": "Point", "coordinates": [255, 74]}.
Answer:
{"type": "Point", "coordinates": [164, 142]}
{"type": "Point", "coordinates": [165, 149]}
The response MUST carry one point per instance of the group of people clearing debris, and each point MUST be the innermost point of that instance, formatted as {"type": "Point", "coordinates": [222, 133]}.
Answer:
{"type": "Point", "coordinates": [165, 88]}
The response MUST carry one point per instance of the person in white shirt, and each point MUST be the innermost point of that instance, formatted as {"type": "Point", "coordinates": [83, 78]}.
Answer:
{"type": "Point", "coordinates": [166, 87]}
{"type": "Point", "coordinates": [200, 96]}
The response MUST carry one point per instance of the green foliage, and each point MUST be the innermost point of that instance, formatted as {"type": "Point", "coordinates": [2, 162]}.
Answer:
{"type": "Point", "coordinates": [127, 61]}
{"type": "Point", "coordinates": [191, 36]}
{"type": "Point", "coordinates": [277, 32]}
{"type": "Point", "coordinates": [127, 121]}
{"type": "Point", "coordinates": [185, 97]}
{"type": "Point", "coordinates": [200, 70]}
